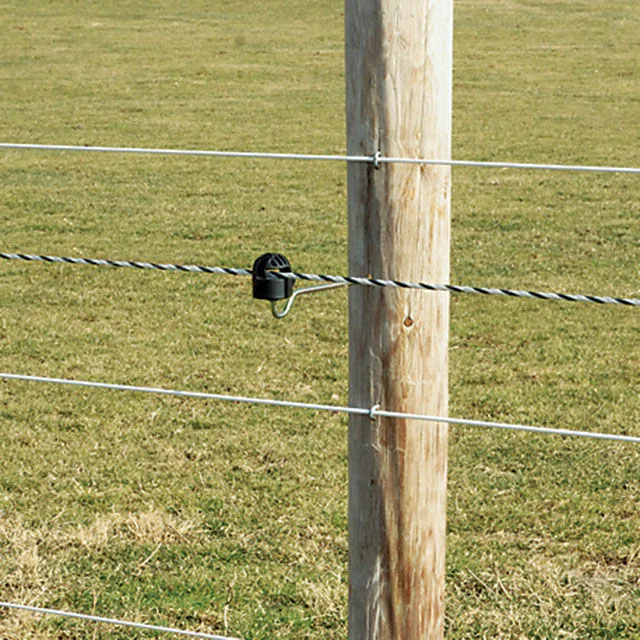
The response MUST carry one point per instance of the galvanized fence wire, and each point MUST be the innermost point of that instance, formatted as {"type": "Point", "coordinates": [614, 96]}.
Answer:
{"type": "Point", "coordinates": [113, 621]}
{"type": "Point", "coordinates": [347, 280]}
{"type": "Point", "coordinates": [376, 159]}
{"type": "Point", "coordinates": [372, 412]}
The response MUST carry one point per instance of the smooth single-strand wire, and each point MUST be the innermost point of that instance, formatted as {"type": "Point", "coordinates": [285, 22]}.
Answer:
{"type": "Point", "coordinates": [511, 165]}
{"type": "Point", "coordinates": [371, 412]}
{"type": "Point", "coordinates": [257, 155]}
{"type": "Point", "coordinates": [376, 159]}
{"type": "Point", "coordinates": [311, 277]}
{"type": "Point", "coordinates": [113, 621]}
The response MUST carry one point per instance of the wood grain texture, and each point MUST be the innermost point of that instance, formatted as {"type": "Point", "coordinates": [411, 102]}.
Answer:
{"type": "Point", "coordinates": [398, 84]}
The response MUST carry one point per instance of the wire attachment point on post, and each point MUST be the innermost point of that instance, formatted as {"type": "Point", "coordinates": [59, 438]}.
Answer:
{"type": "Point", "coordinates": [266, 284]}
{"type": "Point", "coordinates": [376, 159]}
{"type": "Point", "coordinates": [269, 283]}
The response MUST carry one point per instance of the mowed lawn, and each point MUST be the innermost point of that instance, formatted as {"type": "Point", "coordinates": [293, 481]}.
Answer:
{"type": "Point", "coordinates": [232, 519]}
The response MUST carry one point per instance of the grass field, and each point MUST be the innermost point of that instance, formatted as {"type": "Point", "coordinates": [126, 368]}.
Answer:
{"type": "Point", "coordinates": [232, 519]}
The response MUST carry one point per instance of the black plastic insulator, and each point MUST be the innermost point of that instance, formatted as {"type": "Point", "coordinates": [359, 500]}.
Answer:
{"type": "Point", "coordinates": [267, 286]}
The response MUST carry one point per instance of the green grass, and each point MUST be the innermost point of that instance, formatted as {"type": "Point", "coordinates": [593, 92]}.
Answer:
{"type": "Point", "coordinates": [233, 519]}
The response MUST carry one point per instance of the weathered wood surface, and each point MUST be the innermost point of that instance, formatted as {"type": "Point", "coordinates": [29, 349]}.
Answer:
{"type": "Point", "coordinates": [398, 84]}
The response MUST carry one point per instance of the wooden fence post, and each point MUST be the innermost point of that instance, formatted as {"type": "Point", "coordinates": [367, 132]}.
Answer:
{"type": "Point", "coordinates": [398, 96]}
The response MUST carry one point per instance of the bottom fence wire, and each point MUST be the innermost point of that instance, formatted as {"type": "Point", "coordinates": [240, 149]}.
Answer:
{"type": "Point", "coordinates": [113, 621]}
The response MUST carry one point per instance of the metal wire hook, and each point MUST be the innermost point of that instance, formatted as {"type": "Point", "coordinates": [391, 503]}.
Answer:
{"type": "Point", "coordinates": [300, 292]}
